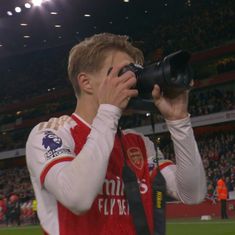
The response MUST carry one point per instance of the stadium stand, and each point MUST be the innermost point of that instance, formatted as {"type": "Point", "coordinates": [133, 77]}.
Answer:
{"type": "Point", "coordinates": [44, 92]}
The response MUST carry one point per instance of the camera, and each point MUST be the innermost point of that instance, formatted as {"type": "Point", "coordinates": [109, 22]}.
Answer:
{"type": "Point", "coordinates": [173, 74]}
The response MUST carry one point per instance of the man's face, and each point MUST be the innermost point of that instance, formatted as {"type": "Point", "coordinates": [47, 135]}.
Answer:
{"type": "Point", "coordinates": [114, 58]}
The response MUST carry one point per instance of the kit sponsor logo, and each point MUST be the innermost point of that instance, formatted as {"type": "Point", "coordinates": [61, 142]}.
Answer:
{"type": "Point", "coordinates": [112, 200]}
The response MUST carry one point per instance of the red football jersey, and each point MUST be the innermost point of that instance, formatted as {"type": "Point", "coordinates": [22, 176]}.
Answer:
{"type": "Point", "coordinates": [110, 212]}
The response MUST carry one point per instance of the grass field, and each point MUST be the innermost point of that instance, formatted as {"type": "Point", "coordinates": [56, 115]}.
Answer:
{"type": "Point", "coordinates": [174, 227]}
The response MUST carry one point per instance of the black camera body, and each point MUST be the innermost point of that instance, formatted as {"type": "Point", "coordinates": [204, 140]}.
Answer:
{"type": "Point", "coordinates": [173, 74]}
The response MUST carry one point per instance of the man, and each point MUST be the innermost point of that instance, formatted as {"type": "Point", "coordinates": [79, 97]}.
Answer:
{"type": "Point", "coordinates": [3, 208]}
{"type": "Point", "coordinates": [13, 210]}
{"type": "Point", "coordinates": [34, 209]}
{"type": "Point", "coordinates": [222, 193]}
{"type": "Point", "coordinates": [76, 162]}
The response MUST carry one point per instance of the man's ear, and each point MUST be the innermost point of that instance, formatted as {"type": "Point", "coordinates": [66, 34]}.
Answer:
{"type": "Point", "coordinates": [84, 82]}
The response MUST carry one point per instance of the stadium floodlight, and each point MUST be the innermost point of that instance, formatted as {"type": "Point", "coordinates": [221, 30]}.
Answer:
{"type": "Point", "coordinates": [27, 5]}
{"type": "Point", "coordinates": [37, 3]}
{"type": "Point", "coordinates": [17, 9]}
{"type": "Point", "coordinates": [9, 13]}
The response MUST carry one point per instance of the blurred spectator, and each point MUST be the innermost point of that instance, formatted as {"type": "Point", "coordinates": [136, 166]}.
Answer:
{"type": "Point", "coordinates": [35, 219]}
{"type": "Point", "coordinates": [222, 194]}
{"type": "Point", "coordinates": [13, 210]}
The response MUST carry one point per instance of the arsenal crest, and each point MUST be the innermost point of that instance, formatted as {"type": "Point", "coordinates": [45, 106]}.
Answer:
{"type": "Point", "coordinates": [136, 157]}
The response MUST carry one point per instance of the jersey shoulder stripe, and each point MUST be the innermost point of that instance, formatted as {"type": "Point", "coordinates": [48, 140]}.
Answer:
{"type": "Point", "coordinates": [51, 164]}
{"type": "Point", "coordinates": [163, 164]}
{"type": "Point", "coordinates": [55, 123]}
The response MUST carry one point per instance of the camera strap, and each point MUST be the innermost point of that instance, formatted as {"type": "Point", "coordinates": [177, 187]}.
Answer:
{"type": "Point", "coordinates": [159, 190]}
{"type": "Point", "coordinates": [132, 192]}
{"type": "Point", "coordinates": [159, 200]}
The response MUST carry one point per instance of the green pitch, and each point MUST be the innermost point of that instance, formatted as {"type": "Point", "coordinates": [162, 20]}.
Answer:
{"type": "Point", "coordinates": [197, 227]}
{"type": "Point", "coordinates": [174, 227]}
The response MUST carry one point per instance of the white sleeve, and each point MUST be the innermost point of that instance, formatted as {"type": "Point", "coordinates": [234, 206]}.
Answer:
{"type": "Point", "coordinates": [76, 183]}
{"type": "Point", "coordinates": [186, 180]}
{"type": "Point", "coordinates": [189, 174]}
{"type": "Point", "coordinates": [47, 145]}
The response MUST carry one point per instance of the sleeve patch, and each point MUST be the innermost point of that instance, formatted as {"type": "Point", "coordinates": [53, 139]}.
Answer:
{"type": "Point", "coordinates": [53, 143]}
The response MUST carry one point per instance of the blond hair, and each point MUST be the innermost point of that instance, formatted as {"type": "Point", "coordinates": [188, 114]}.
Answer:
{"type": "Point", "coordinates": [89, 55]}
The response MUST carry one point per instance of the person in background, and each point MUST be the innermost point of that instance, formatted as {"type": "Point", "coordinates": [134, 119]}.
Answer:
{"type": "Point", "coordinates": [222, 194]}
{"type": "Point", "coordinates": [34, 209]}
{"type": "Point", "coordinates": [3, 208]}
{"type": "Point", "coordinates": [14, 210]}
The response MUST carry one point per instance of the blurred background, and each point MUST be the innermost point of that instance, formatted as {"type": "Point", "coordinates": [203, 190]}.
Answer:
{"type": "Point", "coordinates": [35, 39]}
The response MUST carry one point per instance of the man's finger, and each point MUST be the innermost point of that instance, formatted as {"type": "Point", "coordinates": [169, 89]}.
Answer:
{"type": "Point", "coordinates": [156, 93]}
{"type": "Point", "coordinates": [128, 80]}
{"type": "Point", "coordinates": [114, 71]}
{"type": "Point", "coordinates": [132, 93]}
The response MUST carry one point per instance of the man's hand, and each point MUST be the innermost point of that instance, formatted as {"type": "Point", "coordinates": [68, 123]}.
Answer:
{"type": "Point", "coordinates": [174, 108]}
{"type": "Point", "coordinates": [117, 90]}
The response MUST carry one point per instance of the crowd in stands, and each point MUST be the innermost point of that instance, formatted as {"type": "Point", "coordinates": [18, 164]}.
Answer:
{"type": "Point", "coordinates": [198, 27]}
{"type": "Point", "coordinates": [218, 155]}
{"type": "Point", "coordinates": [16, 180]}
{"type": "Point", "coordinates": [202, 102]}
{"type": "Point", "coordinates": [16, 196]}
{"type": "Point", "coordinates": [211, 101]}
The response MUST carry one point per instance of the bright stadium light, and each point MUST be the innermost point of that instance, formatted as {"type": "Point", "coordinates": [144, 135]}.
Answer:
{"type": "Point", "coordinates": [27, 5]}
{"type": "Point", "coordinates": [37, 2]}
{"type": "Point", "coordinates": [9, 13]}
{"type": "Point", "coordinates": [17, 9]}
